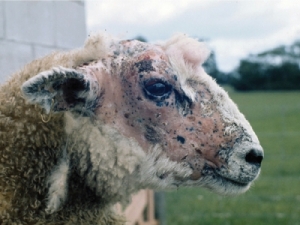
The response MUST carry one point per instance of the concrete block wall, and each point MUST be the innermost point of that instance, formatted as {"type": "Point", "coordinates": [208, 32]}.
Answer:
{"type": "Point", "coordinates": [32, 29]}
{"type": "Point", "coordinates": [1, 20]}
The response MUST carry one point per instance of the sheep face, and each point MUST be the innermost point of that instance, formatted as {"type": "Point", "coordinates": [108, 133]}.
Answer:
{"type": "Point", "coordinates": [159, 97]}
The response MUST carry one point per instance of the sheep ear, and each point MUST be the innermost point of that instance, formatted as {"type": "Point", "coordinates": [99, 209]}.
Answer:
{"type": "Point", "coordinates": [61, 89]}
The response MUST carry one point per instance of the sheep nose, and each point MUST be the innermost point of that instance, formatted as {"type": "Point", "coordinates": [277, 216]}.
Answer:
{"type": "Point", "coordinates": [255, 156]}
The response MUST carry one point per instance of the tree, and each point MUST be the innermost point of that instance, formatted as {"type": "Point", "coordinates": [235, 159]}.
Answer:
{"type": "Point", "coordinates": [140, 38]}
{"type": "Point", "coordinates": [276, 69]}
{"type": "Point", "coordinates": [210, 66]}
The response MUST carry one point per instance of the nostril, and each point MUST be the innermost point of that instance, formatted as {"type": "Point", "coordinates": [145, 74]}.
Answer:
{"type": "Point", "coordinates": [254, 156]}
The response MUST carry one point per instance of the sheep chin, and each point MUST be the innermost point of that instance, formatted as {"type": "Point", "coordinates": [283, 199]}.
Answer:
{"type": "Point", "coordinates": [229, 187]}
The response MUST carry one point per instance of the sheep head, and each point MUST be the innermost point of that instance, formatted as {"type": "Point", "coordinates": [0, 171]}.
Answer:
{"type": "Point", "coordinates": [155, 118]}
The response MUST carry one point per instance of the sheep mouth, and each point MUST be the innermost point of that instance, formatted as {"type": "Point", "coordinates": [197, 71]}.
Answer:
{"type": "Point", "coordinates": [215, 173]}
{"type": "Point", "coordinates": [227, 186]}
{"type": "Point", "coordinates": [239, 180]}
{"type": "Point", "coordinates": [233, 182]}
{"type": "Point", "coordinates": [234, 185]}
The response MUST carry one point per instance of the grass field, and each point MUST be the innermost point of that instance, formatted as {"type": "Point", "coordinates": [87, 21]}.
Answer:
{"type": "Point", "coordinates": [275, 196]}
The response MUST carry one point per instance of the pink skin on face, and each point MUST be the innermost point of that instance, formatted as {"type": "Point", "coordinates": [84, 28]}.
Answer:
{"type": "Point", "coordinates": [181, 127]}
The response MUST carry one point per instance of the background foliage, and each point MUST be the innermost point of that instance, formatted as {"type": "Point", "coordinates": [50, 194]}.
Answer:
{"type": "Point", "coordinates": [276, 69]}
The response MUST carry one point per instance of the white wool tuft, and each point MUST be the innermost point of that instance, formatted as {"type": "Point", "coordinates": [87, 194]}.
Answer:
{"type": "Point", "coordinates": [183, 70]}
{"type": "Point", "coordinates": [58, 189]}
{"type": "Point", "coordinates": [114, 159]}
{"type": "Point", "coordinates": [192, 50]}
{"type": "Point", "coordinates": [156, 165]}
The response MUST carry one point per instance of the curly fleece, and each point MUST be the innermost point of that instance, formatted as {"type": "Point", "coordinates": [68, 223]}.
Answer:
{"type": "Point", "coordinates": [30, 150]}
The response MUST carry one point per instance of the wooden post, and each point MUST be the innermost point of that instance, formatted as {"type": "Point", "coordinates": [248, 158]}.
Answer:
{"type": "Point", "coordinates": [141, 210]}
{"type": "Point", "coordinates": [160, 207]}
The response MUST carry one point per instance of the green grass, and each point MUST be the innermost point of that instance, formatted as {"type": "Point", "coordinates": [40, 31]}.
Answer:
{"type": "Point", "coordinates": [275, 196]}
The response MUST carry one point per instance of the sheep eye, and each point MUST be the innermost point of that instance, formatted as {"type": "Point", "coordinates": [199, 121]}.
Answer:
{"type": "Point", "coordinates": [157, 88]}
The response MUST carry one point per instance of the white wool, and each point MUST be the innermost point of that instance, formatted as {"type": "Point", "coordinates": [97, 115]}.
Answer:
{"type": "Point", "coordinates": [156, 164]}
{"type": "Point", "coordinates": [183, 70]}
{"type": "Point", "coordinates": [58, 182]}
{"type": "Point", "coordinates": [120, 162]}
{"type": "Point", "coordinates": [192, 50]}
{"type": "Point", "coordinates": [114, 158]}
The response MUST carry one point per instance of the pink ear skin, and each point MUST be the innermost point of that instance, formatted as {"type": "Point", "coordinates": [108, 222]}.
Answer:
{"type": "Point", "coordinates": [194, 52]}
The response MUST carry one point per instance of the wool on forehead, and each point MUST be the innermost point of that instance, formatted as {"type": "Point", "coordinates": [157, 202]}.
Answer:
{"type": "Point", "coordinates": [186, 56]}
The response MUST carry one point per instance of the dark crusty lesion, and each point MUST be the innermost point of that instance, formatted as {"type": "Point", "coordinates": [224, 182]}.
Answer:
{"type": "Point", "coordinates": [145, 66]}
{"type": "Point", "coordinates": [152, 134]}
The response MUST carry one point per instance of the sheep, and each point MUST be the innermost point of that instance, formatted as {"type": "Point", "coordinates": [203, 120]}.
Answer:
{"type": "Point", "coordinates": [85, 129]}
